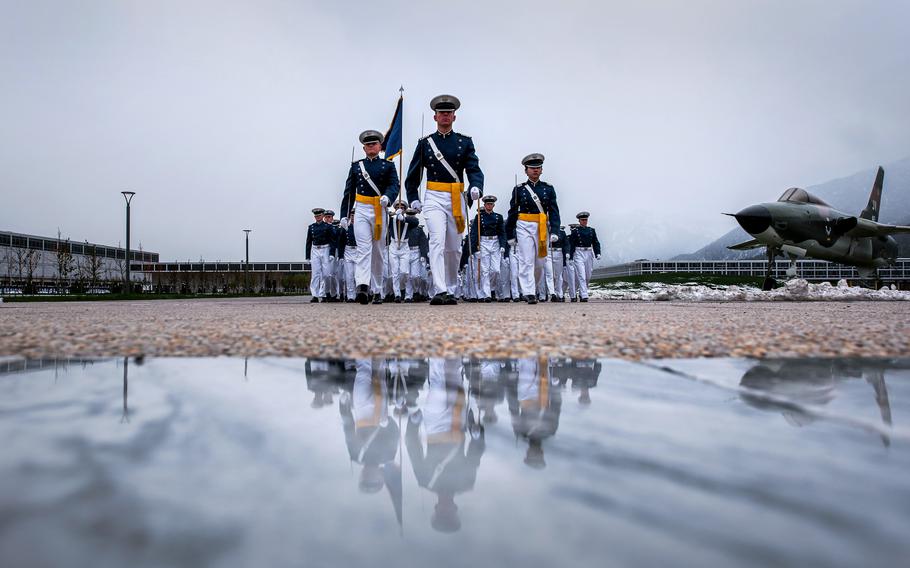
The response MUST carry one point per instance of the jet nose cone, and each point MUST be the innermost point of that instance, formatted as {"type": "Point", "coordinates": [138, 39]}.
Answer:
{"type": "Point", "coordinates": [754, 219]}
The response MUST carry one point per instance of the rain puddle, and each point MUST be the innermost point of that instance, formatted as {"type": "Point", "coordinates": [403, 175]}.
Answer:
{"type": "Point", "coordinates": [434, 462]}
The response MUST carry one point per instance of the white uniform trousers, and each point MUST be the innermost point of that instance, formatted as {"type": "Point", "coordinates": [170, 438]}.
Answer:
{"type": "Point", "coordinates": [513, 272]}
{"type": "Point", "coordinates": [505, 278]}
{"type": "Point", "coordinates": [584, 265]}
{"type": "Point", "coordinates": [545, 281]}
{"type": "Point", "coordinates": [530, 267]}
{"type": "Point", "coordinates": [319, 267]}
{"type": "Point", "coordinates": [400, 260]}
{"type": "Point", "coordinates": [490, 260]}
{"type": "Point", "coordinates": [445, 241]}
{"type": "Point", "coordinates": [571, 279]}
{"type": "Point", "coordinates": [350, 267]}
{"type": "Point", "coordinates": [556, 258]}
{"type": "Point", "coordinates": [415, 273]}
{"type": "Point", "coordinates": [329, 277]}
{"type": "Point", "coordinates": [370, 255]}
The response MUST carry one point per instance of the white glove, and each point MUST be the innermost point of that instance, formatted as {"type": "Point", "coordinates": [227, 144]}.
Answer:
{"type": "Point", "coordinates": [344, 223]}
{"type": "Point", "coordinates": [475, 193]}
{"type": "Point", "coordinates": [554, 238]}
{"type": "Point", "coordinates": [416, 205]}
{"type": "Point", "coordinates": [513, 242]}
{"type": "Point", "coordinates": [384, 201]}
{"type": "Point", "coordinates": [400, 215]}
{"type": "Point", "coordinates": [502, 250]}
{"type": "Point", "coordinates": [390, 210]}
{"type": "Point", "coordinates": [598, 257]}
{"type": "Point", "coordinates": [332, 258]}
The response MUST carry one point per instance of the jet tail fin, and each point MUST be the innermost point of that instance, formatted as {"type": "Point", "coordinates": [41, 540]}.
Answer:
{"type": "Point", "coordinates": [875, 198]}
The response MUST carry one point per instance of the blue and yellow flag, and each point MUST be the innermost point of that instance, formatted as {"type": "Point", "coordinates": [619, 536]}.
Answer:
{"type": "Point", "coordinates": [392, 143]}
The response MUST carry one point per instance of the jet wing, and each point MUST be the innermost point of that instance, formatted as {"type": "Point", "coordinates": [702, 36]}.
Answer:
{"type": "Point", "coordinates": [868, 228]}
{"type": "Point", "coordinates": [750, 244]}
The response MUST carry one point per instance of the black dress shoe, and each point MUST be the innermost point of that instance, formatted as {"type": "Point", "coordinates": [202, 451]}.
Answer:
{"type": "Point", "coordinates": [397, 299]}
{"type": "Point", "coordinates": [584, 299]}
{"type": "Point", "coordinates": [487, 300]}
{"type": "Point", "coordinates": [377, 299]}
{"type": "Point", "coordinates": [363, 294]}
{"type": "Point", "coordinates": [554, 298]}
{"type": "Point", "coordinates": [315, 300]}
{"type": "Point", "coordinates": [408, 301]}
{"type": "Point", "coordinates": [531, 299]}
{"type": "Point", "coordinates": [516, 299]}
{"type": "Point", "coordinates": [573, 300]}
{"type": "Point", "coordinates": [439, 299]}
{"type": "Point", "coordinates": [450, 300]}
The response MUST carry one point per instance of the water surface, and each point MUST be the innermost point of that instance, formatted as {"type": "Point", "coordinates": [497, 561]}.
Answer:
{"type": "Point", "coordinates": [292, 462]}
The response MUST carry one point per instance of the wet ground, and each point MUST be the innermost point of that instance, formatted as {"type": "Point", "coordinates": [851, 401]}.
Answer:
{"type": "Point", "coordinates": [531, 462]}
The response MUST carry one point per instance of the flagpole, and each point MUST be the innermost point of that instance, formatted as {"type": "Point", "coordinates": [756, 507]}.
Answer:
{"type": "Point", "coordinates": [401, 153]}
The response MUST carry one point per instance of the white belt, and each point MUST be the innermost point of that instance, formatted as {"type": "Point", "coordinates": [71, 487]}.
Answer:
{"type": "Point", "coordinates": [415, 248]}
{"type": "Point", "coordinates": [582, 248]}
{"type": "Point", "coordinates": [486, 238]}
{"type": "Point", "coordinates": [321, 246]}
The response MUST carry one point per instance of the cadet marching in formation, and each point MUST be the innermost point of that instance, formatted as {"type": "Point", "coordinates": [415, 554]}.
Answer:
{"type": "Point", "coordinates": [379, 251]}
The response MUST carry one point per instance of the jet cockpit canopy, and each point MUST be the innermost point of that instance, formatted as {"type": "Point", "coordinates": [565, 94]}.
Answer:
{"type": "Point", "coordinates": [798, 195]}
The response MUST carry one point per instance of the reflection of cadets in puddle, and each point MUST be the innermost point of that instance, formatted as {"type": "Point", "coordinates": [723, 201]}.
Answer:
{"type": "Point", "coordinates": [485, 378]}
{"type": "Point", "coordinates": [372, 438]}
{"type": "Point", "coordinates": [535, 401]}
{"type": "Point", "coordinates": [408, 377]}
{"type": "Point", "coordinates": [449, 464]}
{"type": "Point", "coordinates": [584, 374]}
{"type": "Point", "coordinates": [321, 376]}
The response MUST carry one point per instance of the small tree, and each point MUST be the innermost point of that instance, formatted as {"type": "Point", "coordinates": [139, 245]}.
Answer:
{"type": "Point", "coordinates": [66, 264]}
{"type": "Point", "coordinates": [91, 265]}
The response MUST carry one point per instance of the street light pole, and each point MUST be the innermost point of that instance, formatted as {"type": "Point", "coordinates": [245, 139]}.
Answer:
{"type": "Point", "coordinates": [128, 195]}
{"type": "Point", "coordinates": [246, 266]}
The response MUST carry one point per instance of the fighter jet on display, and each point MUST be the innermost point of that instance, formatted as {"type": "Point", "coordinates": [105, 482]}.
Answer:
{"type": "Point", "coordinates": [800, 225]}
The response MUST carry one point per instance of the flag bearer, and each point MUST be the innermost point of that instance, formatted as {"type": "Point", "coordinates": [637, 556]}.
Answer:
{"type": "Point", "coordinates": [492, 241]}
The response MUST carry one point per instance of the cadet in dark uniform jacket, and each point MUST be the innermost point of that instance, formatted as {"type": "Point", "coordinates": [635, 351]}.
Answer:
{"type": "Point", "coordinates": [319, 237]}
{"type": "Point", "coordinates": [371, 185]}
{"type": "Point", "coordinates": [447, 156]}
{"type": "Point", "coordinates": [585, 248]}
{"type": "Point", "coordinates": [533, 214]}
{"type": "Point", "coordinates": [400, 226]}
{"type": "Point", "coordinates": [492, 242]}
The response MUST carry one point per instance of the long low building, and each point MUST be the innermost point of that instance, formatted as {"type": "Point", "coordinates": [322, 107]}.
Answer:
{"type": "Point", "coordinates": [211, 277]}
{"type": "Point", "coordinates": [813, 270]}
{"type": "Point", "coordinates": [36, 263]}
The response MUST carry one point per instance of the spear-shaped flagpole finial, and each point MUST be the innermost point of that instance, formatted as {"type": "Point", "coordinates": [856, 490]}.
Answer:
{"type": "Point", "coordinates": [401, 89]}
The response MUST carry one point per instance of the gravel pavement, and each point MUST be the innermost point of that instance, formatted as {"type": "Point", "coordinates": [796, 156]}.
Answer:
{"type": "Point", "coordinates": [290, 326]}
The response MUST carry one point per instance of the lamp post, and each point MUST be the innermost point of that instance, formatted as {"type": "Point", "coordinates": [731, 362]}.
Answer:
{"type": "Point", "coordinates": [128, 195]}
{"type": "Point", "coordinates": [246, 265]}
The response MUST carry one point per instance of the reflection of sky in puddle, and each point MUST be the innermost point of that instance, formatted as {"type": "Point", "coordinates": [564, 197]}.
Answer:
{"type": "Point", "coordinates": [266, 462]}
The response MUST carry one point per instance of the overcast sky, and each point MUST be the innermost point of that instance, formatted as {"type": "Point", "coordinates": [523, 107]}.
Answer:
{"type": "Point", "coordinates": [224, 115]}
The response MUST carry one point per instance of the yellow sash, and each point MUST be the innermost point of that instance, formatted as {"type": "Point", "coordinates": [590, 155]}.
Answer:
{"type": "Point", "coordinates": [377, 212]}
{"type": "Point", "coordinates": [455, 189]}
{"type": "Point", "coordinates": [541, 220]}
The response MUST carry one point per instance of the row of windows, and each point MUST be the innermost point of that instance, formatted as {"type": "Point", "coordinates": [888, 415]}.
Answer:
{"type": "Point", "coordinates": [221, 267]}
{"type": "Point", "coordinates": [810, 269]}
{"type": "Point", "coordinates": [50, 245]}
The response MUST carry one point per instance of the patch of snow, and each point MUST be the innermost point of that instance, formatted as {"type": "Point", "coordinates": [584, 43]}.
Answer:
{"type": "Point", "coordinates": [796, 289]}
